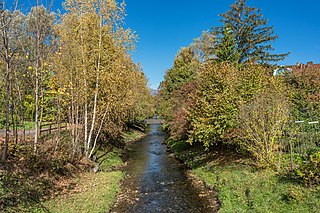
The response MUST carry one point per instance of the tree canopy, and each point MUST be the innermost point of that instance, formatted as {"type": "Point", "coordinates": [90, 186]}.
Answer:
{"type": "Point", "coordinates": [252, 36]}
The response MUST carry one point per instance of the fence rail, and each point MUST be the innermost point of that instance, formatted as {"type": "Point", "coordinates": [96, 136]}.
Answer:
{"type": "Point", "coordinates": [49, 127]}
{"type": "Point", "coordinates": [302, 139]}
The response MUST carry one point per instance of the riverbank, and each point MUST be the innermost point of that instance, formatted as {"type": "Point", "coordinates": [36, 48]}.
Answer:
{"type": "Point", "coordinates": [240, 186]}
{"type": "Point", "coordinates": [75, 189]}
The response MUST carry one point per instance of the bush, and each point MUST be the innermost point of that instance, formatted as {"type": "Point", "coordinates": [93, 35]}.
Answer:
{"type": "Point", "coordinates": [309, 170]}
{"type": "Point", "coordinates": [306, 96]}
{"type": "Point", "coordinates": [263, 122]}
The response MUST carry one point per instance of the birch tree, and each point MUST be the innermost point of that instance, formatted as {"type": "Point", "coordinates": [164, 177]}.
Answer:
{"type": "Point", "coordinates": [40, 31]}
{"type": "Point", "coordinates": [91, 32]}
{"type": "Point", "coordinates": [7, 53]}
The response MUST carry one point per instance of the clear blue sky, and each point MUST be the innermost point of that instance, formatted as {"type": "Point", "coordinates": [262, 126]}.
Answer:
{"type": "Point", "coordinates": [164, 26]}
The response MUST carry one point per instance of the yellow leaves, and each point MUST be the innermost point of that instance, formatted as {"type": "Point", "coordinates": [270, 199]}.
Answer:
{"type": "Point", "coordinates": [30, 68]}
{"type": "Point", "coordinates": [95, 54]}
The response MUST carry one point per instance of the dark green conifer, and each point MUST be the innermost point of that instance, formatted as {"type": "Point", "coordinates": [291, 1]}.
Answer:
{"type": "Point", "coordinates": [250, 32]}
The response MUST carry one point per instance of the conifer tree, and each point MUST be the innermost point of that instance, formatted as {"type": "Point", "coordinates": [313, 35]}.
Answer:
{"type": "Point", "coordinates": [252, 35]}
{"type": "Point", "coordinates": [227, 50]}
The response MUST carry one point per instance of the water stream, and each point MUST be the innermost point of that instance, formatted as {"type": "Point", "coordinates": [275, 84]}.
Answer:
{"type": "Point", "coordinates": [156, 182]}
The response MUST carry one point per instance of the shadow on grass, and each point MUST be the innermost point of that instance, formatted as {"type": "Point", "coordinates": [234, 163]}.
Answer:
{"type": "Point", "coordinates": [289, 177]}
{"type": "Point", "coordinates": [25, 183]}
{"type": "Point", "coordinates": [195, 156]}
{"type": "Point", "coordinates": [20, 192]}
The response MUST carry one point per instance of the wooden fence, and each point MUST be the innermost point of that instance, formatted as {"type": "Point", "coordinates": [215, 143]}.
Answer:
{"type": "Point", "coordinates": [50, 127]}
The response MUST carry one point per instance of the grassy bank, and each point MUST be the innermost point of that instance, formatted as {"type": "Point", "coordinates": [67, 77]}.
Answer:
{"type": "Point", "coordinates": [94, 192]}
{"type": "Point", "coordinates": [78, 190]}
{"type": "Point", "coordinates": [241, 187]}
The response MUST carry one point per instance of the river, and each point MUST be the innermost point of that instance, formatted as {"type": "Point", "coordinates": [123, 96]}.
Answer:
{"type": "Point", "coordinates": [156, 182]}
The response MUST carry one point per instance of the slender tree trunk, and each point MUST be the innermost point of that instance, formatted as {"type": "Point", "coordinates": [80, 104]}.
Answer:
{"type": "Point", "coordinates": [76, 131]}
{"type": "Point", "coordinates": [98, 133]}
{"type": "Point", "coordinates": [93, 115]}
{"type": "Point", "coordinates": [24, 128]}
{"type": "Point", "coordinates": [5, 38]}
{"type": "Point", "coordinates": [13, 123]}
{"type": "Point", "coordinates": [84, 71]}
{"type": "Point", "coordinates": [6, 142]}
{"type": "Point", "coordinates": [37, 90]}
{"type": "Point", "coordinates": [85, 126]}
{"type": "Point", "coordinates": [41, 106]}
{"type": "Point", "coordinates": [36, 129]}
{"type": "Point", "coordinates": [21, 110]}
{"type": "Point", "coordinates": [96, 89]}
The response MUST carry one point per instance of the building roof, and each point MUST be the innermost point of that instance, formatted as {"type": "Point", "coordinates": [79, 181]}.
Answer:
{"type": "Point", "coordinates": [300, 66]}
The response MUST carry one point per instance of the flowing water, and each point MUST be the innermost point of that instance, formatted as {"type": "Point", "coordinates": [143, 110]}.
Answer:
{"type": "Point", "coordinates": [156, 182]}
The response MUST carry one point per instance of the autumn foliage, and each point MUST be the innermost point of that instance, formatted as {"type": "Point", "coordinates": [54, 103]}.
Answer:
{"type": "Point", "coordinates": [75, 70]}
{"type": "Point", "coordinates": [211, 97]}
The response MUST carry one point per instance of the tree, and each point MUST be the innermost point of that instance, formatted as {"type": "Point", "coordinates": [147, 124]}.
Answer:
{"type": "Point", "coordinates": [305, 83]}
{"type": "Point", "coordinates": [184, 70]}
{"type": "Point", "coordinates": [252, 37]}
{"type": "Point", "coordinates": [40, 31]}
{"type": "Point", "coordinates": [7, 56]}
{"type": "Point", "coordinates": [8, 49]}
{"type": "Point", "coordinates": [95, 77]}
{"type": "Point", "coordinates": [227, 50]}
{"type": "Point", "coordinates": [204, 46]}
{"type": "Point", "coordinates": [215, 109]}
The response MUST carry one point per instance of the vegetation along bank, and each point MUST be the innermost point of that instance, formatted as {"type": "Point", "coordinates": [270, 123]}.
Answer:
{"type": "Point", "coordinates": [69, 91]}
{"type": "Point", "coordinates": [244, 126]}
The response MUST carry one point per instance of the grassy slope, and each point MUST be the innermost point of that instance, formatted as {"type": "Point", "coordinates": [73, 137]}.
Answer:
{"type": "Point", "coordinates": [95, 193]}
{"type": "Point", "coordinates": [86, 192]}
{"type": "Point", "coordinates": [243, 188]}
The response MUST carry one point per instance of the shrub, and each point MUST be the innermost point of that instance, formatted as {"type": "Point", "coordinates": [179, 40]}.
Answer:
{"type": "Point", "coordinates": [263, 122]}
{"type": "Point", "coordinates": [306, 95]}
{"type": "Point", "coordinates": [309, 170]}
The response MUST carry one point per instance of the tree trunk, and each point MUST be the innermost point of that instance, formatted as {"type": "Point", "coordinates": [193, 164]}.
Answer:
{"type": "Point", "coordinates": [93, 116]}
{"type": "Point", "coordinates": [6, 142]}
{"type": "Point", "coordinates": [36, 129]}
{"type": "Point", "coordinates": [98, 133]}
{"type": "Point", "coordinates": [96, 89]}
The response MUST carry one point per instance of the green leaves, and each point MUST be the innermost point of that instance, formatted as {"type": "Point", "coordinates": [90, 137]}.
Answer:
{"type": "Point", "coordinates": [309, 171]}
{"type": "Point", "coordinates": [245, 36]}
{"type": "Point", "coordinates": [216, 105]}
{"type": "Point", "coordinates": [227, 49]}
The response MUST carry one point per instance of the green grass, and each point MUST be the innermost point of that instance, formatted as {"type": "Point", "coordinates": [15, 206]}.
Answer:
{"type": "Point", "coordinates": [94, 192]}
{"type": "Point", "coordinates": [97, 193]}
{"type": "Point", "coordinates": [109, 161]}
{"type": "Point", "coordinates": [132, 135]}
{"type": "Point", "coordinates": [242, 188]}
{"type": "Point", "coordinates": [29, 125]}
